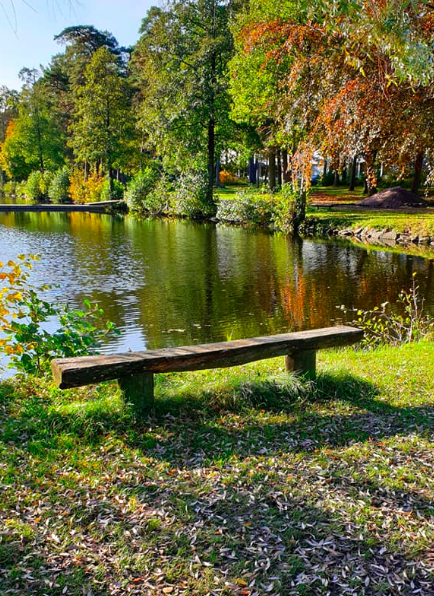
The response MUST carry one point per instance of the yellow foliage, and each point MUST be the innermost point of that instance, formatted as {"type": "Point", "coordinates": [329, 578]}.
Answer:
{"type": "Point", "coordinates": [228, 178]}
{"type": "Point", "coordinates": [86, 190]}
{"type": "Point", "coordinates": [5, 161]}
{"type": "Point", "coordinates": [13, 277]}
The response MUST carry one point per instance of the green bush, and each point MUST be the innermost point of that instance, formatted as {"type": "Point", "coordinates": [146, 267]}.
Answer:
{"type": "Point", "coordinates": [46, 181]}
{"type": "Point", "coordinates": [140, 188]}
{"type": "Point", "coordinates": [58, 191]}
{"type": "Point", "coordinates": [263, 209]}
{"type": "Point", "coordinates": [33, 189]}
{"type": "Point", "coordinates": [117, 194]}
{"type": "Point", "coordinates": [13, 188]}
{"type": "Point", "coordinates": [159, 200]}
{"type": "Point", "coordinates": [37, 186]}
{"type": "Point", "coordinates": [190, 195]}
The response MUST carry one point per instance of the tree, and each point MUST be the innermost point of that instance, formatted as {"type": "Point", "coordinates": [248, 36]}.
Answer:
{"type": "Point", "coordinates": [33, 139]}
{"type": "Point", "coordinates": [102, 127]}
{"type": "Point", "coordinates": [350, 78]}
{"type": "Point", "coordinates": [8, 109]}
{"type": "Point", "coordinates": [180, 68]}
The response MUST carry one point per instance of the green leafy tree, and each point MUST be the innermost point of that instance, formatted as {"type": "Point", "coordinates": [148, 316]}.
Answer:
{"type": "Point", "coordinates": [180, 66]}
{"type": "Point", "coordinates": [34, 140]}
{"type": "Point", "coordinates": [102, 128]}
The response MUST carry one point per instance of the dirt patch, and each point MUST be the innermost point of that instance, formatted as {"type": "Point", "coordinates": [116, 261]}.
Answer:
{"type": "Point", "coordinates": [393, 198]}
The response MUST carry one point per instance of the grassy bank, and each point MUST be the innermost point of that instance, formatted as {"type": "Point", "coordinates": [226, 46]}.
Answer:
{"type": "Point", "coordinates": [417, 224]}
{"type": "Point", "coordinates": [241, 482]}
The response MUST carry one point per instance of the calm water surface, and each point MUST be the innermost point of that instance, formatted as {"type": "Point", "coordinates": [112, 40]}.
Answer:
{"type": "Point", "coordinates": [169, 283]}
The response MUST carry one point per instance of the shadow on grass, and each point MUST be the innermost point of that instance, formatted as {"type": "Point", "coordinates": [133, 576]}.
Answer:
{"type": "Point", "coordinates": [268, 518]}
{"type": "Point", "coordinates": [271, 416]}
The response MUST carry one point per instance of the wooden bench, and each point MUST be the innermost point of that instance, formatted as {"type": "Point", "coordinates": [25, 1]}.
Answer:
{"type": "Point", "coordinates": [135, 370]}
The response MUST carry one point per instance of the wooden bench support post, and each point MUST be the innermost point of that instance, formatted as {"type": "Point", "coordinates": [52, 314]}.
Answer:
{"type": "Point", "coordinates": [138, 390]}
{"type": "Point", "coordinates": [302, 363]}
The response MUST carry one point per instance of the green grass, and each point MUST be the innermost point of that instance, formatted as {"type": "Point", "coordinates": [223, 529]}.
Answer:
{"type": "Point", "coordinates": [242, 481]}
{"type": "Point", "coordinates": [413, 223]}
{"type": "Point", "coordinates": [229, 191]}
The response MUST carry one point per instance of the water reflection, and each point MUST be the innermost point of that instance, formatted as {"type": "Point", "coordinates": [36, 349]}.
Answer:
{"type": "Point", "coordinates": [167, 283]}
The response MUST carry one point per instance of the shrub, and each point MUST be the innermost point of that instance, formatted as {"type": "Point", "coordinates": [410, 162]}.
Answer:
{"type": "Point", "coordinates": [46, 181]}
{"type": "Point", "coordinates": [385, 325]}
{"type": "Point", "coordinates": [190, 195]}
{"type": "Point", "coordinates": [59, 187]}
{"type": "Point", "coordinates": [10, 188]}
{"type": "Point", "coordinates": [228, 178]}
{"type": "Point", "coordinates": [84, 189]}
{"type": "Point", "coordinates": [284, 206]}
{"type": "Point", "coordinates": [33, 188]}
{"type": "Point", "coordinates": [117, 194]}
{"type": "Point", "coordinates": [263, 209]}
{"type": "Point", "coordinates": [24, 315]}
{"type": "Point", "coordinates": [38, 185]}
{"type": "Point", "coordinates": [140, 188]}
{"type": "Point", "coordinates": [159, 200]}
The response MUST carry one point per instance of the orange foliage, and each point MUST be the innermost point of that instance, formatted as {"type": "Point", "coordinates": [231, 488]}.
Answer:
{"type": "Point", "coordinates": [228, 178]}
{"type": "Point", "coordinates": [342, 88]}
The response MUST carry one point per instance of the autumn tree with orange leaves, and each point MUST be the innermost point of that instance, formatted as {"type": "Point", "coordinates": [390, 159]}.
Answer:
{"type": "Point", "coordinates": [347, 78]}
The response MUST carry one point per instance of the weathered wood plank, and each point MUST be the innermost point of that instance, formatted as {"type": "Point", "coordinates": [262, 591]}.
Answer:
{"type": "Point", "coordinates": [302, 364]}
{"type": "Point", "coordinates": [76, 372]}
{"type": "Point", "coordinates": [138, 390]}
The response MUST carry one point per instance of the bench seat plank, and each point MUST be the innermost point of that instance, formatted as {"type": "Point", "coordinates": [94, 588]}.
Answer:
{"type": "Point", "coordinates": [87, 370]}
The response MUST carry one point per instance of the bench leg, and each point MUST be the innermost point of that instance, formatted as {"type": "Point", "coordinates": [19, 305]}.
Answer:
{"type": "Point", "coordinates": [138, 390]}
{"type": "Point", "coordinates": [302, 364]}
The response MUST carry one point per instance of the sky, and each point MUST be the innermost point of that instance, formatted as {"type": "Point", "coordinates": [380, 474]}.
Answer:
{"type": "Point", "coordinates": [27, 28]}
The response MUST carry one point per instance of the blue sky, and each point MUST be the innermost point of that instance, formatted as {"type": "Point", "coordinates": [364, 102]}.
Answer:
{"type": "Point", "coordinates": [26, 37]}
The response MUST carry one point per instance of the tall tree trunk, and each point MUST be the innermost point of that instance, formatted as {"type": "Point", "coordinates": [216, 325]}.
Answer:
{"type": "Point", "coordinates": [285, 167]}
{"type": "Point", "coordinates": [336, 179]}
{"type": "Point", "coordinates": [272, 170]}
{"type": "Point", "coordinates": [217, 172]}
{"type": "Point", "coordinates": [344, 174]}
{"type": "Point", "coordinates": [258, 172]}
{"type": "Point", "coordinates": [279, 168]}
{"type": "Point", "coordinates": [417, 172]}
{"type": "Point", "coordinates": [370, 159]}
{"type": "Point", "coordinates": [111, 180]}
{"type": "Point", "coordinates": [324, 170]}
{"type": "Point", "coordinates": [299, 210]}
{"type": "Point", "coordinates": [252, 170]}
{"type": "Point", "coordinates": [353, 174]}
{"type": "Point", "coordinates": [211, 164]}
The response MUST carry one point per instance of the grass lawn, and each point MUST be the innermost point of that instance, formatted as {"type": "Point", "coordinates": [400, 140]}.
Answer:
{"type": "Point", "coordinates": [415, 223]}
{"type": "Point", "coordinates": [339, 194]}
{"type": "Point", "coordinates": [243, 482]}
{"type": "Point", "coordinates": [230, 191]}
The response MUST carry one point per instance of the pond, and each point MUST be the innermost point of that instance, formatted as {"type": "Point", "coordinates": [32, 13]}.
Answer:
{"type": "Point", "coordinates": [170, 283]}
